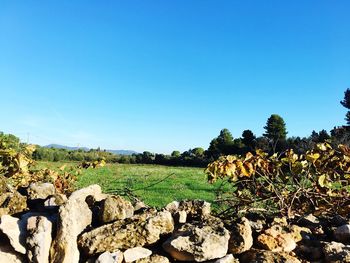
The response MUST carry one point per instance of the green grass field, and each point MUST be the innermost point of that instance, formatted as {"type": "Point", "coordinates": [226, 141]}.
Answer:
{"type": "Point", "coordinates": [154, 184]}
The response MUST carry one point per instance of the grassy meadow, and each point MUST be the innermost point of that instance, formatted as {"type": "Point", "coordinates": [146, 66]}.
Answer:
{"type": "Point", "coordinates": [156, 185]}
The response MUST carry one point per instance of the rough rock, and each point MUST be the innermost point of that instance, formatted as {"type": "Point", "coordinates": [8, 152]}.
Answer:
{"type": "Point", "coordinates": [115, 208]}
{"type": "Point", "coordinates": [265, 256]}
{"type": "Point", "coordinates": [153, 259]}
{"type": "Point", "coordinates": [12, 203]}
{"type": "Point", "coordinates": [342, 233]}
{"type": "Point", "coordinates": [39, 239]}
{"type": "Point", "coordinates": [241, 238]}
{"type": "Point", "coordinates": [108, 257]}
{"type": "Point", "coordinates": [226, 259]}
{"type": "Point", "coordinates": [74, 217]}
{"type": "Point", "coordinates": [40, 190]}
{"type": "Point", "coordinates": [180, 217]}
{"type": "Point", "coordinates": [55, 200]}
{"type": "Point", "coordinates": [146, 228]}
{"type": "Point", "coordinates": [8, 255]}
{"type": "Point", "coordinates": [193, 208]}
{"type": "Point", "coordinates": [3, 185]}
{"type": "Point", "coordinates": [336, 252]}
{"type": "Point", "coordinates": [276, 240]}
{"type": "Point", "coordinates": [198, 241]}
{"type": "Point", "coordinates": [133, 254]}
{"type": "Point", "coordinates": [14, 229]}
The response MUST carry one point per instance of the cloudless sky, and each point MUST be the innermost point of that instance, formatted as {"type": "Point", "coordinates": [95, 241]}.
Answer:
{"type": "Point", "coordinates": [169, 75]}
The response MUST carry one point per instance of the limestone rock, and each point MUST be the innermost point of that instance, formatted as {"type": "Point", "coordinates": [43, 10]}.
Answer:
{"type": "Point", "coordinates": [39, 239]}
{"type": "Point", "coordinates": [12, 203]}
{"type": "Point", "coordinates": [8, 255]}
{"type": "Point", "coordinates": [108, 257]}
{"type": "Point", "coordinates": [40, 190]}
{"type": "Point", "coordinates": [153, 259]}
{"type": "Point", "coordinates": [226, 259]}
{"type": "Point", "coordinates": [133, 254]}
{"type": "Point", "coordinates": [265, 256]}
{"type": "Point", "coordinates": [15, 231]}
{"type": "Point", "coordinates": [146, 229]}
{"type": "Point", "coordinates": [276, 240]}
{"type": "Point", "coordinates": [74, 217]}
{"type": "Point", "coordinates": [336, 252]}
{"type": "Point", "coordinates": [193, 208]}
{"type": "Point", "coordinates": [342, 233]}
{"type": "Point", "coordinates": [241, 238]}
{"type": "Point", "coordinates": [55, 200]}
{"type": "Point", "coordinates": [115, 208]}
{"type": "Point", "coordinates": [198, 241]}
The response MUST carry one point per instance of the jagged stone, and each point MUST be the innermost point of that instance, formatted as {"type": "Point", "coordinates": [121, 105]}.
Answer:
{"type": "Point", "coordinates": [342, 233]}
{"type": "Point", "coordinates": [115, 208]}
{"type": "Point", "coordinates": [226, 259]}
{"type": "Point", "coordinates": [108, 257]}
{"type": "Point", "coordinates": [198, 241]}
{"type": "Point", "coordinates": [146, 229]}
{"type": "Point", "coordinates": [336, 252]}
{"type": "Point", "coordinates": [15, 231]}
{"type": "Point", "coordinates": [153, 259]}
{"type": "Point", "coordinates": [9, 255]}
{"type": "Point", "coordinates": [241, 238]}
{"type": "Point", "coordinates": [55, 200]}
{"type": "Point", "coordinates": [265, 256]}
{"type": "Point", "coordinates": [276, 240]}
{"type": "Point", "coordinates": [180, 217]}
{"type": "Point", "coordinates": [74, 217]}
{"type": "Point", "coordinates": [40, 190]}
{"type": "Point", "coordinates": [133, 254]}
{"type": "Point", "coordinates": [193, 208]}
{"type": "Point", "coordinates": [12, 203]}
{"type": "Point", "coordinates": [39, 239]}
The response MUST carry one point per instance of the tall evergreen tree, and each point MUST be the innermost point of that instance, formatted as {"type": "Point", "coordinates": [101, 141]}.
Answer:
{"type": "Point", "coordinates": [275, 131]}
{"type": "Point", "coordinates": [346, 103]}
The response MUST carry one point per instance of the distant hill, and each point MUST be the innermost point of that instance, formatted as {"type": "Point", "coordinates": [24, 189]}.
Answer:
{"type": "Point", "coordinates": [119, 152]}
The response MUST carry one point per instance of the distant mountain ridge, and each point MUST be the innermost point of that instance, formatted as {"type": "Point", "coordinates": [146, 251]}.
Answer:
{"type": "Point", "coordinates": [59, 146]}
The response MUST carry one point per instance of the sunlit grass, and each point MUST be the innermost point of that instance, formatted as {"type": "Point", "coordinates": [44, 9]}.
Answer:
{"type": "Point", "coordinates": [156, 185]}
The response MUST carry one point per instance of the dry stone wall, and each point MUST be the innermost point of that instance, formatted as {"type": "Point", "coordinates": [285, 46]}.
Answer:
{"type": "Point", "coordinates": [39, 225]}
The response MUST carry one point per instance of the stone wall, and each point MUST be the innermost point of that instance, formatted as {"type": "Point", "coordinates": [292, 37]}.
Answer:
{"type": "Point", "coordinates": [40, 225]}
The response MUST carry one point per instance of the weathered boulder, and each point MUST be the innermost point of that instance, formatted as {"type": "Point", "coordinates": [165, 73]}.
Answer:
{"type": "Point", "coordinates": [39, 239]}
{"type": "Point", "coordinates": [115, 208]}
{"type": "Point", "coordinates": [153, 259]}
{"type": "Point", "coordinates": [336, 252]}
{"type": "Point", "coordinates": [226, 259]}
{"type": "Point", "coordinates": [55, 200]}
{"type": "Point", "coordinates": [199, 241]}
{"type": "Point", "coordinates": [74, 217]}
{"type": "Point", "coordinates": [276, 240]}
{"type": "Point", "coordinates": [139, 230]}
{"type": "Point", "coordinates": [135, 253]}
{"type": "Point", "coordinates": [108, 257]}
{"type": "Point", "coordinates": [265, 256]}
{"type": "Point", "coordinates": [15, 231]}
{"type": "Point", "coordinates": [241, 238]}
{"type": "Point", "coordinates": [9, 255]}
{"type": "Point", "coordinates": [12, 203]}
{"type": "Point", "coordinates": [193, 208]}
{"type": "Point", "coordinates": [40, 190]}
{"type": "Point", "coordinates": [342, 233]}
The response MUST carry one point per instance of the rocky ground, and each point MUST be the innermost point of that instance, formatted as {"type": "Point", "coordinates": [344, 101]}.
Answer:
{"type": "Point", "coordinates": [39, 225]}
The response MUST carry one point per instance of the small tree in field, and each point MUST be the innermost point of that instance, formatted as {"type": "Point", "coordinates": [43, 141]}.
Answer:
{"type": "Point", "coordinates": [275, 130]}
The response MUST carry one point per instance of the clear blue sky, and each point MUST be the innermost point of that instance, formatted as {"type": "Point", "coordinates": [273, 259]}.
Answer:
{"type": "Point", "coordinates": [169, 75]}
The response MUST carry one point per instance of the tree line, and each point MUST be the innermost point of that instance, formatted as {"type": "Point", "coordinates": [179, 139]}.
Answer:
{"type": "Point", "coordinates": [273, 140]}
